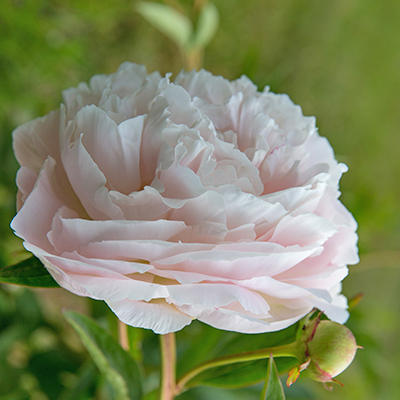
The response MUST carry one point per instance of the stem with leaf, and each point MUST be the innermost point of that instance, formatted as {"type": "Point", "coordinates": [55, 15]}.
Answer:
{"type": "Point", "coordinates": [171, 388]}
{"type": "Point", "coordinates": [287, 350]}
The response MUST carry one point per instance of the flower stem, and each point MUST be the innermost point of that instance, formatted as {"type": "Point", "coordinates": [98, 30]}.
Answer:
{"type": "Point", "coordinates": [287, 350]}
{"type": "Point", "coordinates": [168, 361]}
{"type": "Point", "coordinates": [193, 59]}
{"type": "Point", "coordinates": [123, 335]}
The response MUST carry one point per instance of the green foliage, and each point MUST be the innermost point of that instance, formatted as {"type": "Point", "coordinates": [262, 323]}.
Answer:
{"type": "Point", "coordinates": [175, 24]}
{"type": "Point", "coordinates": [178, 27]}
{"type": "Point", "coordinates": [116, 365]}
{"type": "Point", "coordinates": [34, 359]}
{"type": "Point", "coordinates": [207, 25]}
{"type": "Point", "coordinates": [29, 272]}
{"type": "Point", "coordinates": [167, 20]}
{"type": "Point", "coordinates": [273, 389]}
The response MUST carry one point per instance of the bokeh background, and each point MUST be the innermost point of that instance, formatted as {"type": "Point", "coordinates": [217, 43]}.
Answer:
{"type": "Point", "coordinates": [338, 59]}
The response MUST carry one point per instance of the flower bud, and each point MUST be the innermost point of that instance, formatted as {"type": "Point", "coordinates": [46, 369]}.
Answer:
{"type": "Point", "coordinates": [331, 349]}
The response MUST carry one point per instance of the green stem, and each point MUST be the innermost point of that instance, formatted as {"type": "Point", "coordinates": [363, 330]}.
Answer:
{"type": "Point", "coordinates": [168, 361]}
{"type": "Point", "coordinates": [287, 350]}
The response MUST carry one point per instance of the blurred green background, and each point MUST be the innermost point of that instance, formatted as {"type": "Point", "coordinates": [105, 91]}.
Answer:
{"type": "Point", "coordinates": [338, 59]}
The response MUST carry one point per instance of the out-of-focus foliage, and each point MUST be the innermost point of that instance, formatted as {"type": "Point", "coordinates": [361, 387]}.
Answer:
{"type": "Point", "coordinates": [115, 364]}
{"type": "Point", "coordinates": [338, 59]}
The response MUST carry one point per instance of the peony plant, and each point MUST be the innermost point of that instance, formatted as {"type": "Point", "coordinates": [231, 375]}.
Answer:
{"type": "Point", "coordinates": [200, 198]}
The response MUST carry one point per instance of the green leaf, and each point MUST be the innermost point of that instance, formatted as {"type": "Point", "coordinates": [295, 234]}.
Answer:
{"type": "Point", "coordinates": [273, 389]}
{"type": "Point", "coordinates": [244, 342]}
{"type": "Point", "coordinates": [167, 20]}
{"type": "Point", "coordinates": [29, 272]}
{"type": "Point", "coordinates": [115, 364]}
{"type": "Point", "coordinates": [207, 26]}
{"type": "Point", "coordinates": [191, 354]}
{"type": "Point", "coordinates": [216, 343]}
{"type": "Point", "coordinates": [239, 375]}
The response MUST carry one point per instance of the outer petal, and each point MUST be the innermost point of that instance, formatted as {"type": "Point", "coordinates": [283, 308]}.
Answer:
{"type": "Point", "coordinates": [159, 316]}
{"type": "Point", "coordinates": [34, 141]}
{"type": "Point", "coordinates": [47, 197]}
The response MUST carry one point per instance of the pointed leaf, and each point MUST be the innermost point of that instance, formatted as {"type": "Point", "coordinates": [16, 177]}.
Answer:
{"type": "Point", "coordinates": [167, 20]}
{"type": "Point", "coordinates": [116, 365]}
{"type": "Point", "coordinates": [29, 272]}
{"type": "Point", "coordinates": [273, 389]}
{"type": "Point", "coordinates": [207, 26]}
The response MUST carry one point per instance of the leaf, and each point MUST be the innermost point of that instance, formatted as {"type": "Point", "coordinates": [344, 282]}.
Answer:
{"type": "Point", "coordinates": [273, 389]}
{"type": "Point", "coordinates": [207, 26]}
{"type": "Point", "coordinates": [216, 343]}
{"type": "Point", "coordinates": [116, 365]}
{"type": "Point", "coordinates": [244, 342]}
{"type": "Point", "coordinates": [29, 272]}
{"type": "Point", "coordinates": [191, 354]}
{"type": "Point", "coordinates": [167, 20]}
{"type": "Point", "coordinates": [239, 375]}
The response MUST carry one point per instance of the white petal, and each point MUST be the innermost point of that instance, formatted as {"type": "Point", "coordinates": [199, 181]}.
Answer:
{"type": "Point", "coordinates": [50, 193]}
{"type": "Point", "coordinates": [160, 316]}
{"type": "Point", "coordinates": [89, 183]}
{"type": "Point", "coordinates": [34, 141]}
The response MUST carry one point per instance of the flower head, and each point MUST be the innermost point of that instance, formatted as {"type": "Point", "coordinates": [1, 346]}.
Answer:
{"type": "Point", "coordinates": [202, 198]}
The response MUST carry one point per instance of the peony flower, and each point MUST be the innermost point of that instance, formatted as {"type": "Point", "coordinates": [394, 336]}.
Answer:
{"type": "Point", "coordinates": [198, 199]}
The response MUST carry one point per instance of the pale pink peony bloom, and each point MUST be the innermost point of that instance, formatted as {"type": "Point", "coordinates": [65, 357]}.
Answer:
{"type": "Point", "coordinates": [199, 199]}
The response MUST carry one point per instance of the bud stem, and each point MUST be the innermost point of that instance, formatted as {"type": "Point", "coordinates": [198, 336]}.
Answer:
{"type": "Point", "coordinates": [287, 350]}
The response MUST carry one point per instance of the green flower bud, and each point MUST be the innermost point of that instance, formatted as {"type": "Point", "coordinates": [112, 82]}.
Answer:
{"type": "Point", "coordinates": [331, 349]}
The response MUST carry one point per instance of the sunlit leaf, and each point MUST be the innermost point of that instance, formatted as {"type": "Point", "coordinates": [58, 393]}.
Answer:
{"type": "Point", "coordinates": [167, 20]}
{"type": "Point", "coordinates": [29, 272]}
{"type": "Point", "coordinates": [207, 26]}
{"type": "Point", "coordinates": [273, 389]}
{"type": "Point", "coordinates": [116, 365]}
